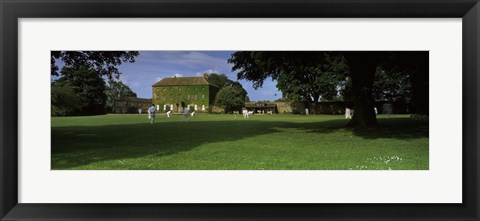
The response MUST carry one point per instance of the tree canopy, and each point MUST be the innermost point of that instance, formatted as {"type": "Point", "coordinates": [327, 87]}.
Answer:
{"type": "Point", "coordinates": [80, 91]}
{"type": "Point", "coordinates": [220, 80]}
{"type": "Point", "coordinates": [80, 88]}
{"type": "Point", "coordinates": [65, 101]}
{"type": "Point", "coordinates": [231, 94]}
{"type": "Point", "coordinates": [230, 98]}
{"type": "Point", "coordinates": [103, 62]}
{"type": "Point", "coordinates": [301, 76]}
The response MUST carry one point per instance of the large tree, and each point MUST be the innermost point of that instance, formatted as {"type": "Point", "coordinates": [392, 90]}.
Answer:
{"type": "Point", "coordinates": [257, 66]}
{"type": "Point", "coordinates": [103, 62]}
{"type": "Point", "coordinates": [313, 81]}
{"type": "Point", "coordinates": [302, 69]}
{"type": "Point", "coordinates": [301, 76]}
{"type": "Point", "coordinates": [230, 98]}
{"type": "Point", "coordinates": [220, 80]}
{"type": "Point", "coordinates": [65, 101]}
{"type": "Point", "coordinates": [362, 71]}
{"type": "Point", "coordinates": [88, 86]}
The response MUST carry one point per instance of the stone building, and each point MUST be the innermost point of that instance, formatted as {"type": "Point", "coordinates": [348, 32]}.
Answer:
{"type": "Point", "coordinates": [177, 93]}
{"type": "Point", "coordinates": [130, 105]}
{"type": "Point", "coordinates": [262, 107]}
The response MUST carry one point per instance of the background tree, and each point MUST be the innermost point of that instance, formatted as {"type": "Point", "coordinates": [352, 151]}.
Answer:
{"type": "Point", "coordinates": [103, 62]}
{"type": "Point", "coordinates": [116, 90]}
{"type": "Point", "coordinates": [83, 72]}
{"type": "Point", "coordinates": [392, 86]}
{"type": "Point", "coordinates": [415, 64]}
{"type": "Point", "coordinates": [230, 99]}
{"type": "Point", "coordinates": [64, 99]}
{"type": "Point", "coordinates": [86, 84]}
{"type": "Point", "coordinates": [346, 90]}
{"type": "Point", "coordinates": [242, 92]}
{"type": "Point", "coordinates": [220, 80]}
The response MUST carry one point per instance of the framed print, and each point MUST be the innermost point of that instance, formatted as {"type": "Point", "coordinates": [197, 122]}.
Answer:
{"type": "Point", "coordinates": [229, 110]}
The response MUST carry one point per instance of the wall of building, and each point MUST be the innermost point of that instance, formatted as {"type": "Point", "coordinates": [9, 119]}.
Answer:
{"type": "Point", "coordinates": [290, 107]}
{"type": "Point", "coordinates": [338, 107]}
{"type": "Point", "coordinates": [131, 106]}
{"type": "Point", "coordinates": [190, 95]}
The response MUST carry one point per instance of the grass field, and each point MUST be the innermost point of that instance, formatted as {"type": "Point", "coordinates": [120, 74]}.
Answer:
{"type": "Point", "coordinates": [223, 142]}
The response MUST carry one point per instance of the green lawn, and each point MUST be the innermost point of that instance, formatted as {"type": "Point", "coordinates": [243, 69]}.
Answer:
{"type": "Point", "coordinates": [223, 142]}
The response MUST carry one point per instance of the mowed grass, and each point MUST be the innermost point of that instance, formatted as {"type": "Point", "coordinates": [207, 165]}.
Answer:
{"type": "Point", "coordinates": [226, 142]}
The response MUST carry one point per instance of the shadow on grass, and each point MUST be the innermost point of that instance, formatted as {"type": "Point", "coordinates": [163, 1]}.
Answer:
{"type": "Point", "coordinates": [394, 128]}
{"type": "Point", "coordinates": [82, 145]}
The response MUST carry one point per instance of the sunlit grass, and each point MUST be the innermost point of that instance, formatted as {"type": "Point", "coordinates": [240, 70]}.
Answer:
{"type": "Point", "coordinates": [229, 142]}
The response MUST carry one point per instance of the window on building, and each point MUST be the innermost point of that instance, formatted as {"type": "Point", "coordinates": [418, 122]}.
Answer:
{"type": "Point", "coordinates": [203, 96]}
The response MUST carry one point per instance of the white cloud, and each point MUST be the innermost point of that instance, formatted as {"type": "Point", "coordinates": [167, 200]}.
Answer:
{"type": "Point", "coordinates": [177, 75]}
{"type": "Point", "coordinates": [209, 71]}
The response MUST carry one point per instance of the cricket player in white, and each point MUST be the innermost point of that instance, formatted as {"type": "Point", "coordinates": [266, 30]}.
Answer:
{"type": "Point", "coordinates": [151, 114]}
{"type": "Point", "coordinates": [186, 114]}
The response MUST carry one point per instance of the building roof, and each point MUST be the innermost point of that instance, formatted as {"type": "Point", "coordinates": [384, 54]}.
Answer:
{"type": "Point", "coordinates": [183, 81]}
{"type": "Point", "coordinates": [260, 105]}
{"type": "Point", "coordinates": [135, 99]}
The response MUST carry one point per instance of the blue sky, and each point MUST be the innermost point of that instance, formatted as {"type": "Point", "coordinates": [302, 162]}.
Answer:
{"type": "Point", "coordinates": [152, 66]}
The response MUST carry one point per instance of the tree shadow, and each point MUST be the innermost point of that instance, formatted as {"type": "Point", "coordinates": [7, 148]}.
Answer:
{"type": "Point", "coordinates": [393, 128]}
{"type": "Point", "coordinates": [396, 128]}
{"type": "Point", "coordinates": [82, 145]}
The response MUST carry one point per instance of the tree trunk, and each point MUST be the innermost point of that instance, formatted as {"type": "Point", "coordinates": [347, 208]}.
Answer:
{"type": "Point", "coordinates": [362, 69]}
{"type": "Point", "coordinates": [420, 84]}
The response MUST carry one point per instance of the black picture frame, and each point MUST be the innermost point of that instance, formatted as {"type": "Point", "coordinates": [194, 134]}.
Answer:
{"type": "Point", "coordinates": [12, 10]}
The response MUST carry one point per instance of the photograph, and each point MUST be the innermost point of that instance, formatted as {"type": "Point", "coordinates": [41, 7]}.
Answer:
{"type": "Point", "coordinates": [239, 110]}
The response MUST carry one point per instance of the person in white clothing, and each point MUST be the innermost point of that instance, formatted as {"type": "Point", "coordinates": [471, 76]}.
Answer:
{"type": "Point", "coordinates": [245, 113]}
{"type": "Point", "coordinates": [168, 113]}
{"type": "Point", "coordinates": [151, 113]}
{"type": "Point", "coordinates": [186, 114]}
{"type": "Point", "coordinates": [348, 113]}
